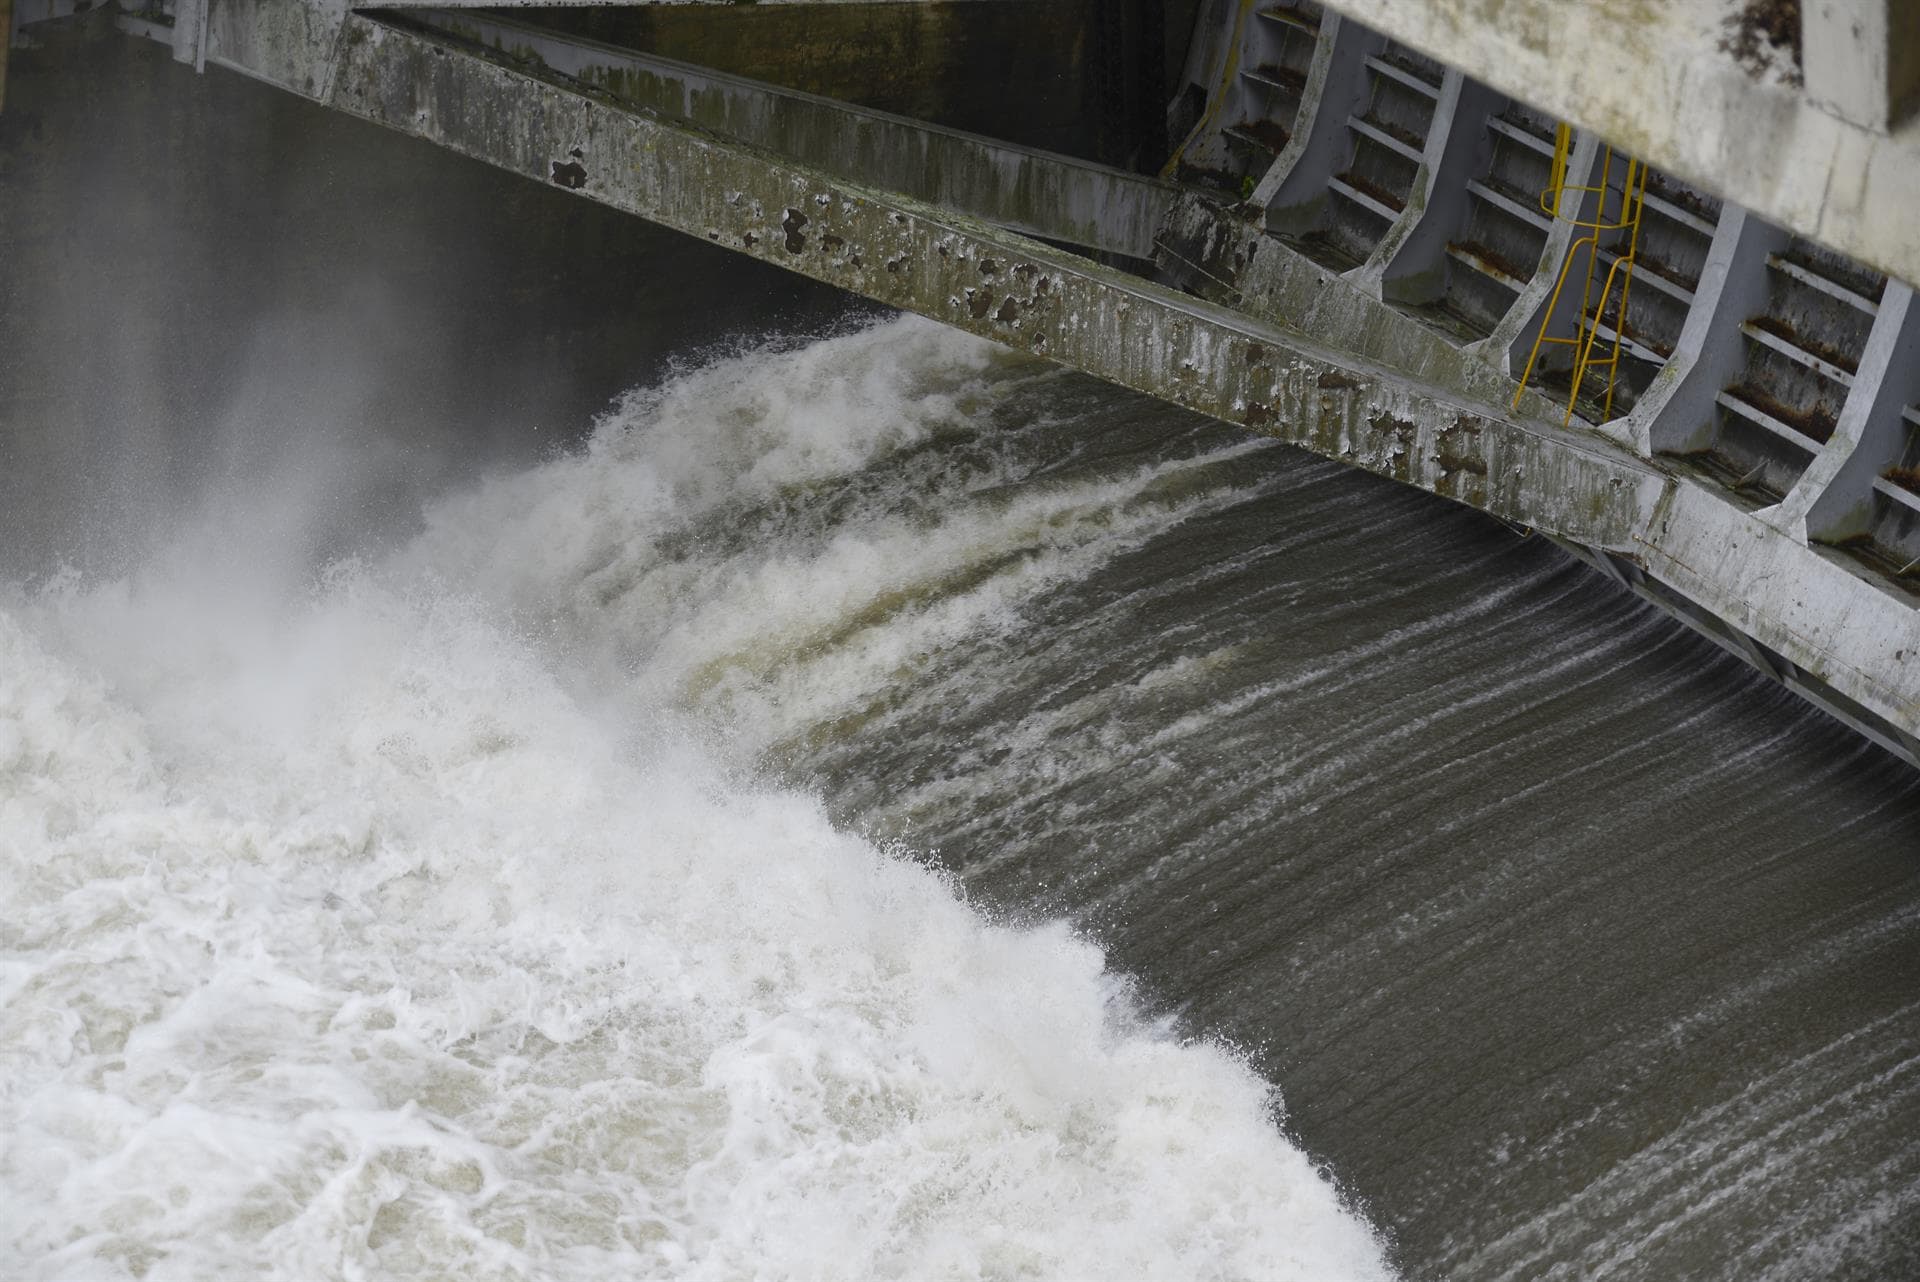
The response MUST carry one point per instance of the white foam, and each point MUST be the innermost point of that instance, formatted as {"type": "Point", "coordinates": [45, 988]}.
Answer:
{"type": "Point", "coordinates": [354, 932]}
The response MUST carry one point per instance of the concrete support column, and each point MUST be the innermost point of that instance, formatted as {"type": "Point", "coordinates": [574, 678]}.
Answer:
{"type": "Point", "coordinates": [1507, 347]}
{"type": "Point", "coordinates": [1676, 413]}
{"type": "Point", "coordinates": [1862, 58]}
{"type": "Point", "coordinates": [1833, 500]}
{"type": "Point", "coordinates": [1410, 262]}
{"type": "Point", "coordinates": [1337, 86]}
{"type": "Point", "coordinates": [190, 32]}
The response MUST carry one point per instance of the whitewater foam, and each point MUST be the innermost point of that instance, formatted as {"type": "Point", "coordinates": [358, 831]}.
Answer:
{"type": "Point", "coordinates": [429, 918]}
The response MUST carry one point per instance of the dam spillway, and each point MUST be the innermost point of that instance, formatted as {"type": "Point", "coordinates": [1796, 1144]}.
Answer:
{"type": "Point", "coordinates": [1573, 948]}
{"type": "Point", "coordinates": [1347, 251]}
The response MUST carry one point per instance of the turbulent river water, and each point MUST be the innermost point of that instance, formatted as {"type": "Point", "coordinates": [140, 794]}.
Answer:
{"type": "Point", "coordinates": [875, 806]}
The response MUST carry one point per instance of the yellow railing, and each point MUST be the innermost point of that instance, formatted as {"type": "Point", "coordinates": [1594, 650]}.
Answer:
{"type": "Point", "coordinates": [1553, 201]}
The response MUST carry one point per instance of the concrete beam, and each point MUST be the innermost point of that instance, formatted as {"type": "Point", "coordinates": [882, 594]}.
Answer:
{"type": "Point", "coordinates": [1834, 498]}
{"type": "Point", "coordinates": [1676, 413]}
{"type": "Point", "coordinates": [1036, 192]}
{"type": "Point", "coordinates": [1845, 637]}
{"type": "Point", "coordinates": [1458, 149]}
{"type": "Point", "coordinates": [1297, 181]}
{"type": "Point", "coordinates": [905, 253]}
{"type": "Point", "coordinates": [190, 33]}
{"type": "Point", "coordinates": [1862, 59]}
{"type": "Point", "coordinates": [1640, 76]}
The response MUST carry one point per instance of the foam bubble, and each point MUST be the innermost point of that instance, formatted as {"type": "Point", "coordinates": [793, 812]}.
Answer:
{"type": "Point", "coordinates": [355, 932]}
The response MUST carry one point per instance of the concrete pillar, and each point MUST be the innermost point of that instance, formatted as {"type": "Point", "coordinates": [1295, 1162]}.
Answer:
{"type": "Point", "coordinates": [1862, 58]}
{"type": "Point", "coordinates": [1295, 187]}
{"type": "Point", "coordinates": [1409, 263]}
{"type": "Point", "coordinates": [1512, 339]}
{"type": "Point", "coordinates": [190, 33]}
{"type": "Point", "coordinates": [1834, 498]}
{"type": "Point", "coordinates": [1676, 413]}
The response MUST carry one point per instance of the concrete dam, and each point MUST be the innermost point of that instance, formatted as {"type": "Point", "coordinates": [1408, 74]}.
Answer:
{"type": "Point", "coordinates": [541, 743]}
{"type": "Point", "coordinates": [1391, 234]}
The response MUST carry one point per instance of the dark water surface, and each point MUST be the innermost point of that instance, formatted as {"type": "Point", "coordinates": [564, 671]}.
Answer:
{"type": "Point", "coordinates": [1576, 949]}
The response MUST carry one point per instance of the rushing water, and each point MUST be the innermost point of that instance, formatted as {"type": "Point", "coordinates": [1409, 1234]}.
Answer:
{"type": "Point", "coordinates": [875, 806]}
{"type": "Point", "coordinates": [428, 915]}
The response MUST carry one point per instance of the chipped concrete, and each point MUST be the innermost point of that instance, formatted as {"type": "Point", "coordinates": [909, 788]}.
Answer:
{"type": "Point", "coordinates": [1303, 355]}
{"type": "Point", "coordinates": [1035, 192]}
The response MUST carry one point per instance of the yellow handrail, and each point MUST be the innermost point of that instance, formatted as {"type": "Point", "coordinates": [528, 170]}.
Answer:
{"type": "Point", "coordinates": [1633, 190]}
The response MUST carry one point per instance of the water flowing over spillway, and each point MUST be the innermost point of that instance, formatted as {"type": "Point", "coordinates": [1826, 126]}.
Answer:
{"type": "Point", "coordinates": [425, 915]}
{"type": "Point", "coordinates": [579, 887]}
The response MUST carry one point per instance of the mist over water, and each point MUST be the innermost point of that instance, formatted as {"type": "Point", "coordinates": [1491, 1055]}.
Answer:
{"type": "Point", "coordinates": [411, 914]}
{"type": "Point", "coordinates": [549, 751]}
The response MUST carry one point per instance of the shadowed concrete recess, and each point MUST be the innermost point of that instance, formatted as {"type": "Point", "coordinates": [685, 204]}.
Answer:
{"type": "Point", "coordinates": [1322, 224]}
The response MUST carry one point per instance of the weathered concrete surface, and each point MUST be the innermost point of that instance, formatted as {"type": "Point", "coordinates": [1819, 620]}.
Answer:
{"type": "Point", "coordinates": [1035, 192]}
{"type": "Point", "coordinates": [1022, 72]}
{"type": "Point", "coordinates": [1862, 58]}
{"type": "Point", "coordinates": [1358, 401]}
{"type": "Point", "coordinates": [1634, 72]}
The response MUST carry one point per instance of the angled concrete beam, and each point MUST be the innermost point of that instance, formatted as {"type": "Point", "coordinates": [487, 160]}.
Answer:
{"type": "Point", "coordinates": [190, 33]}
{"type": "Point", "coordinates": [1336, 88]}
{"type": "Point", "coordinates": [1833, 500]}
{"type": "Point", "coordinates": [1676, 413]}
{"type": "Point", "coordinates": [1409, 261]}
{"type": "Point", "coordinates": [1036, 192]}
{"type": "Point", "coordinates": [1512, 339]}
{"type": "Point", "coordinates": [905, 253]}
{"type": "Point", "coordinates": [616, 4]}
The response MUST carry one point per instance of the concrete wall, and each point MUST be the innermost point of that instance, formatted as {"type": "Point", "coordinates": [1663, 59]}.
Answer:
{"type": "Point", "coordinates": [1017, 72]}
{"type": "Point", "coordinates": [1282, 343]}
{"type": "Point", "coordinates": [1040, 193]}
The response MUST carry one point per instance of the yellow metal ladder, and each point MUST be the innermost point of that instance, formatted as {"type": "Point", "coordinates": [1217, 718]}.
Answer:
{"type": "Point", "coordinates": [1626, 220]}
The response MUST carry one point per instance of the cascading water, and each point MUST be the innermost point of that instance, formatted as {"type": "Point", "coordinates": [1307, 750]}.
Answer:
{"type": "Point", "coordinates": [832, 821]}
{"type": "Point", "coordinates": [427, 915]}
